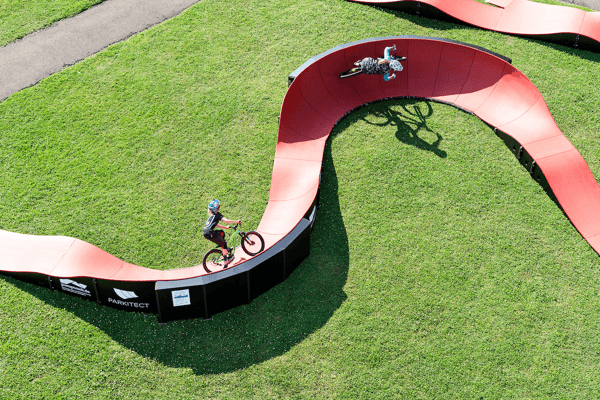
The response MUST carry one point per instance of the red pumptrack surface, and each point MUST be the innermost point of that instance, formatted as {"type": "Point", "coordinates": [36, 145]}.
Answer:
{"type": "Point", "coordinates": [455, 73]}
{"type": "Point", "coordinates": [517, 17]}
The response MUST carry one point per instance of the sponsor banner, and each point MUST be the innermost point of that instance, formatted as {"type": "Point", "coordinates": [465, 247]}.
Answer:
{"type": "Point", "coordinates": [125, 294]}
{"type": "Point", "coordinates": [81, 287]}
{"type": "Point", "coordinates": [127, 298]}
{"type": "Point", "coordinates": [71, 286]}
{"type": "Point", "coordinates": [181, 297]}
{"type": "Point", "coordinates": [129, 304]}
{"type": "Point", "coordinates": [130, 296]}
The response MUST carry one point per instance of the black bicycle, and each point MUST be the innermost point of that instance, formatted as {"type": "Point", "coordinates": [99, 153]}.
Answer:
{"type": "Point", "coordinates": [252, 243]}
{"type": "Point", "coordinates": [358, 69]}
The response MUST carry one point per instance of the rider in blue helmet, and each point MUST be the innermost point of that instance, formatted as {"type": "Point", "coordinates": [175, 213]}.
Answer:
{"type": "Point", "coordinates": [216, 235]}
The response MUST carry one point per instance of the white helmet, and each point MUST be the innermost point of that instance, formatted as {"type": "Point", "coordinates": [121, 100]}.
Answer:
{"type": "Point", "coordinates": [396, 66]}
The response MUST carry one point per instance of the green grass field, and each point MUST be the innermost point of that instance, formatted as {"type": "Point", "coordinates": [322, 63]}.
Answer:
{"type": "Point", "coordinates": [439, 269]}
{"type": "Point", "coordinates": [18, 18]}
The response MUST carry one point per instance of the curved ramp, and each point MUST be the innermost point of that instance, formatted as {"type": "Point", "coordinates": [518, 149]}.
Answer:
{"type": "Point", "coordinates": [465, 76]}
{"type": "Point", "coordinates": [564, 25]}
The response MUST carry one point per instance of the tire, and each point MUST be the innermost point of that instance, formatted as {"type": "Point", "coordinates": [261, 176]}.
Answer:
{"type": "Point", "coordinates": [253, 243]}
{"type": "Point", "coordinates": [213, 261]}
{"type": "Point", "coordinates": [352, 72]}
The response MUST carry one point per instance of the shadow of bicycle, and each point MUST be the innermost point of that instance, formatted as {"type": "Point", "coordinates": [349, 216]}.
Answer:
{"type": "Point", "coordinates": [410, 119]}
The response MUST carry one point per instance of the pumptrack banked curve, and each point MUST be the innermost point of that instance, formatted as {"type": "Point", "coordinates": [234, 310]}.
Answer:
{"type": "Point", "coordinates": [462, 75]}
{"type": "Point", "coordinates": [560, 24]}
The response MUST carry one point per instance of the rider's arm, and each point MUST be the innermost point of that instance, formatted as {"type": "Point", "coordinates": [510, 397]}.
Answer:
{"type": "Point", "coordinates": [386, 53]}
{"type": "Point", "coordinates": [387, 77]}
{"type": "Point", "coordinates": [229, 221]}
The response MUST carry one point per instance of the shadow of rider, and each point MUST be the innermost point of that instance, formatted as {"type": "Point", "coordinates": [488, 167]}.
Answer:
{"type": "Point", "coordinates": [410, 119]}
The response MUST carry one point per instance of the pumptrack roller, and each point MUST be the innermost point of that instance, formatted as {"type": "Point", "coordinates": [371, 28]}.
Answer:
{"type": "Point", "coordinates": [559, 24]}
{"type": "Point", "coordinates": [462, 75]}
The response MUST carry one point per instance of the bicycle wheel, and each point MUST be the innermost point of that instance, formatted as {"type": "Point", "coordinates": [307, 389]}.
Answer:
{"type": "Point", "coordinates": [253, 243]}
{"type": "Point", "coordinates": [351, 72]}
{"type": "Point", "coordinates": [213, 260]}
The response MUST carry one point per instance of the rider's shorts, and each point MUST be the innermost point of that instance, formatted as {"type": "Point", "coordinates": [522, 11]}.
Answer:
{"type": "Point", "coordinates": [369, 66]}
{"type": "Point", "coordinates": [217, 237]}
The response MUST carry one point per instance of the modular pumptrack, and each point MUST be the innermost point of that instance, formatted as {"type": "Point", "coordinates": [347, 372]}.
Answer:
{"type": "Point", "coordinates": [468, 77]}
{"type": "Point", "coordinates": [564, 25]}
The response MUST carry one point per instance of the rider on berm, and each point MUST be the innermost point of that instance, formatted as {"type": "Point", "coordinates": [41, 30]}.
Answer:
{"type": "Point", "coordinates": [382, 66]}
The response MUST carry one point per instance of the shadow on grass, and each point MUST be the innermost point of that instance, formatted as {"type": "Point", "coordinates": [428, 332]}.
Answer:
{"type": "Point", "coordinates": [407, 115]}
{"type": "Point", "coordinates": [276, 321]}
{"type": "Point", "coordinates": [268, 327]}
{"type": "Point", "coordinates": [588, 51]}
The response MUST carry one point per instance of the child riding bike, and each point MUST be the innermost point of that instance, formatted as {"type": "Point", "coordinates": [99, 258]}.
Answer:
{"type": "Point", "coordinates": [382, 66]}
{"type": "Point", "coordinates": [218, 236]}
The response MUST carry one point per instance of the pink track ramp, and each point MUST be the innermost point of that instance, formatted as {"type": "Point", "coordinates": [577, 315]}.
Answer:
{"type": "Point", "coordinates": [465, 76]}
{"type": "Point", "coordinates": [565, 25]}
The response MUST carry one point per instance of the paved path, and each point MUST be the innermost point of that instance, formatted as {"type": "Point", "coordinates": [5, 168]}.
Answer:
{"type": "Point", "coordinates": [25, 62]}
{"type": "Point", "coordinates": [592, 4]}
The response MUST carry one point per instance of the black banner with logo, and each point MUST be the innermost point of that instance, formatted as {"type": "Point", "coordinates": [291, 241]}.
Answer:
{"type": "Point", "coordinates": [129, 296]}
{"type": "Point", "coordinates": [80, 287]}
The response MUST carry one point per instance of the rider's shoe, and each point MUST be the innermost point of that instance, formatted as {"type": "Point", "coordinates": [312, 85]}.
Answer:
{"type": "Point", "coordinates": [227, 259]}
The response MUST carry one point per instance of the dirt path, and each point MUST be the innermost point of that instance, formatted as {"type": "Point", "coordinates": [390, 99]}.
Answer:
{"type": "Point", "coordinates": [27, 61]}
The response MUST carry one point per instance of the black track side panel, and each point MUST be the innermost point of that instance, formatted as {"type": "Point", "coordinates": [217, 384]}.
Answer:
{"type": "Point", "coordinates": [267, 274]}
{"type": "Point", "coordinates": [30, 277]}
{"type": "Point", "coordinates": [207, 295]}
{"type": "Point", "coordinates": [80, 287]}
{"type": "Point", "coordinates": [227, 293]}
{"type": "Point", "coordinates": [181, 299]}
{"type": "Point", "coordinates": [299, 248]}
{"type": "Point", "coordinates": [128, 296]}
{"type": "Point", "coordinates": [527, 162]}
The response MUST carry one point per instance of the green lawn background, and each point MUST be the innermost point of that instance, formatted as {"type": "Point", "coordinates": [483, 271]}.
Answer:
{"type": "Point", "coordinates": [19, 18]}
{"type": "Point", "coordinates": [439, 268]}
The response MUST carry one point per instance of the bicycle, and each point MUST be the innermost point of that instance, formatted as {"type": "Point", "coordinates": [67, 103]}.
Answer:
{"type": "Point", "coordinates": [358, 70]}
{"type": "Point", "coordinates": [252, 243]}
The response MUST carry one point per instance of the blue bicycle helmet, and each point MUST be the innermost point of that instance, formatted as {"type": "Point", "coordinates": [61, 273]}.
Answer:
{"type": "Point", "coordinates": [214, 205]}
